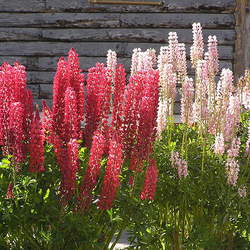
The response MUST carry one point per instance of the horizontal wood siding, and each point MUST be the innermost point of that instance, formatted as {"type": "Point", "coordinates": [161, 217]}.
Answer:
{"type": "Point", "coordinates": [38, 32]}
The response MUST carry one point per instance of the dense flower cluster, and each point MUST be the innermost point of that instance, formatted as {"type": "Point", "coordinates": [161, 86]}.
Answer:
{"type": "Point", "coordinates": [121, 121]}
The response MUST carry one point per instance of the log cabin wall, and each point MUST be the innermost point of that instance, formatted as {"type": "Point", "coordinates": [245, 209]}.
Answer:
{"type": "Point", "coordinates": [38, 32]}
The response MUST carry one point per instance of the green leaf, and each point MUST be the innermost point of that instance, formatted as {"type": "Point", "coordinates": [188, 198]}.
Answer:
{"type": "Point", "coordinates": [47, 194]}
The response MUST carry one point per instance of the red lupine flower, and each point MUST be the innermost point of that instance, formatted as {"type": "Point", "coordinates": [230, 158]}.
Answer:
{"type": "Point", "coordinates": [9, 194]}
{"type": "Point", "coordinates": [69, 174]}
{"type": "Point", "coordinates": [130, 113]}
{"type": "Point", "coordinates": [93, 170]}
{"type": "Point", "coordinates": [71, 121]}
{"type": "Point", "coordinates": [36, 145]}
{"type": "Point", "coordinates": [111, 179]}
{"type": "Point", "coordinates": [16, 132]}
{"type": "Point", "coordinates": [98, 99]}
{"type": "Point", "coordinates": [119, 88]}
{"type": "Point", "coordinates": [149, 188]}
{"type": "Point", "coordinates": [47, 123]}
{"type": "Point", "coordinates": [59, 87]}
{"type": "Point", "coordinates": [13, 89]}
{"type": "Point", "coordinates": [76, 81]}
{"type": "Point", "coordinates": [148, 116]}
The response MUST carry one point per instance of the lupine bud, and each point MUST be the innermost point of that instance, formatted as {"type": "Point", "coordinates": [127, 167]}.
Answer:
{"type": "Point", "coordinates": [111, 179]}
{"type": "Point", "coordinates": [149, 188]}
{"type": "Point", "coordinates": [36, 146]}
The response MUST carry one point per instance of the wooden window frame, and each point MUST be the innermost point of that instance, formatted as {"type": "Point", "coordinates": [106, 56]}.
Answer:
{"type": "Point", "coordinates": [127, 2]}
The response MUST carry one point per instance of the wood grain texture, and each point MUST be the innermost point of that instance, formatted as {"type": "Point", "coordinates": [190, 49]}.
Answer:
{"type": "Point", "coordinates": [116, 20]}
{"type": "Point", "coordinates": [217, 6]}
{"type": "Point", "coordinates": [225, 37]}
{"type": "Point", "coordinates": [92, 49]}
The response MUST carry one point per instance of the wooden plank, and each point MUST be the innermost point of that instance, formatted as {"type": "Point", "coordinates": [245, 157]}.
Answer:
{"type": "Point", "coordinates": [17, 34]}
{"type": "Point", "coordinates": [217, 6]}
{"type": "Point", "coordinates": [225, 37]}
{"type": "Point", "coordinates": [34, 89]}
{"type": "Point", "coordinates": [22, 5]}
{"type": "Point", "coordinates": [50, 63]}
{"type": "Point", "coordinates": [115, 20]}
{"type": "Point", "coordinates": [86, 48]}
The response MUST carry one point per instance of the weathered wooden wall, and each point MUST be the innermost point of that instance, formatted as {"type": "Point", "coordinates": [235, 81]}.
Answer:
{"type": "Point", "coordinates": [37, 32]}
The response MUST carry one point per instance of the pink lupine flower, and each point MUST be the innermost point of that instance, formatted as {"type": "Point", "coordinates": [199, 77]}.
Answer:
{"type": "Point", "coordinates": [232, 170]}
{"type": "Point", "coordinates": [219, 145]}
{"type": "Point", "coordinates": [146, 60]}
{"type": "Point", "coordinates": [112, 63]}
{"type": "Point", "coordinates": [213, 58]}
{"type": "Point", "coordinates": [181, 62]}
{"type": "Point", "coordinates": [16, 132]}
{"type": "Point", "coordinates": [232, 117]}
{"type": "Point", "coordinates": [71, 121]}
{"type": "Point", "coordinates": [149, 187]}
{"type": "Point", "coordinates": [242, 191]}
{"type": "Point", "coordinates": [173, 50]}
{"type": "Point", "coordinates": [163, 58]}
{"type": "Point", "coordinates": [36, 145]}
{"type": "Point", "coordinates": [10, 194]}
{"type": "Point", "coordinates": [197, 49]}
{"type": "Point", "coordinates": [111, 179]}
{"type": "Point", "coordinates": [135, 61]}
{"type": "Point", "coordinates": [93, 170]}
{"type": "Point", "coordinates": [248, 139]}
{"type": "Point", "coordinates": [234, 149]}
{"type": "Point", "coordinates": [180, 164]}
{"type": "Point", "coordinates": [161, 117]}
{"type": "Point", "coordinates": [187, 100]}
{"type": "Point", "coordinates": [232, 166]}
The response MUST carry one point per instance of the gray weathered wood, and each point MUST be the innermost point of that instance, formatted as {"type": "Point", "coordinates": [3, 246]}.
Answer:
{"type": "Point", "coordinates": [219, 6]}
{"type": "Point", "coordinates": [115, 20]}
{"type": "Point", "coordinates": [225, 37]}
{"type": "Point", "coordinates": [17, 34]}
{"type": "Point", "coordinates": [86, 48]}
{"type": "Point", "coordinates": [50, 63]}
{"type": "Point", "coordinates": [22, 5]}
{"type": "Point", "coordinates": [35, 90]}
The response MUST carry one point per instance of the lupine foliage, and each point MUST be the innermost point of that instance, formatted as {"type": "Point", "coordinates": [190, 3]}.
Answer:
{"type": "Point", "coordinates": [108, 155]}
